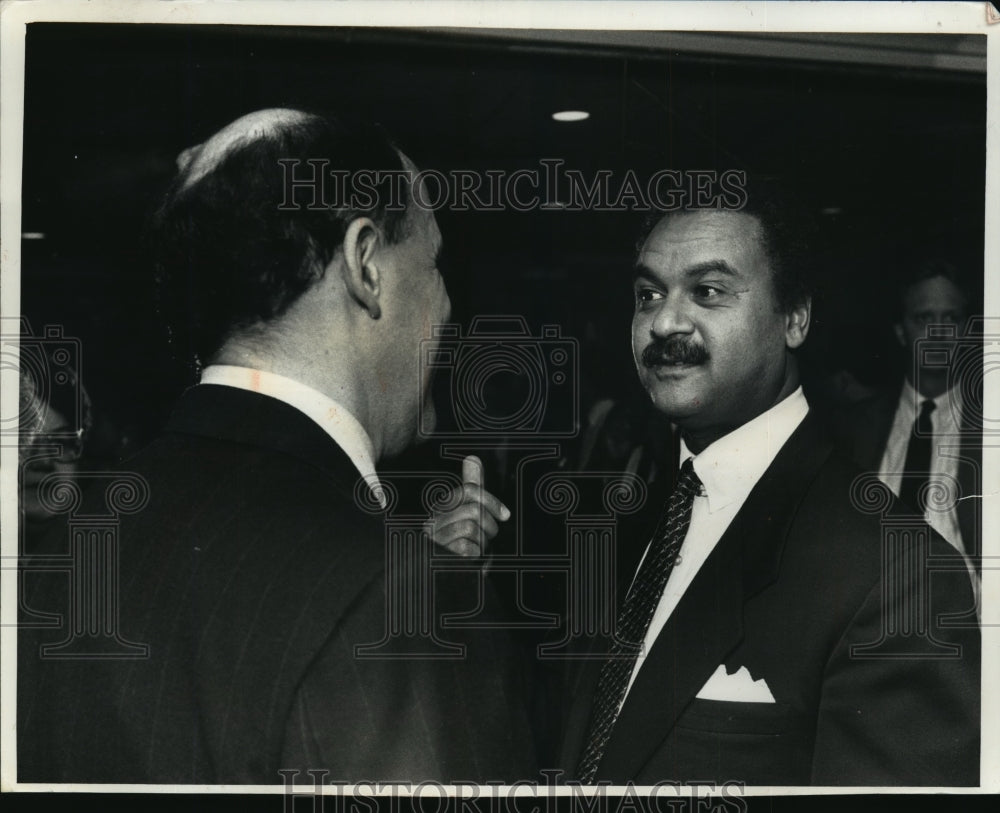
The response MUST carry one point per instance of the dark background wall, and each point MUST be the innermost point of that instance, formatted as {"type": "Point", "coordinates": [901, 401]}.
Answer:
{"type": "Point", "coordinates": [888, 157]}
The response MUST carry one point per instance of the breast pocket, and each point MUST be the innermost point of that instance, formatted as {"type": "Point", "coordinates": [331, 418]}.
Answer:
{"type": "Point", "coordinates": [726, 717]}
{"type": "Point", "coordinates": [750, 743]}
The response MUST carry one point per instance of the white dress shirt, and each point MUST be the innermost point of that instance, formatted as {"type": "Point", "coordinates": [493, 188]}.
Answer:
{"type": "Point", "coordinates": [333, 418]}
{"type": "Point", "coordinates": [728, 470]}
{"type": "Point", "coordinates": [945, 422]}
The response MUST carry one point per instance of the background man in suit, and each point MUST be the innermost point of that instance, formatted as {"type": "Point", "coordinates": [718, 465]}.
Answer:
{"type": "Point", "coordinates": [768, 649]}
{"type": "Point", "coordinates": [920, 432]}
{"type": "Point", "coordinates": [253, 574]}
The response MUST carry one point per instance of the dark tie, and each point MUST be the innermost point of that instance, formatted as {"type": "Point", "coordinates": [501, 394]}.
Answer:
{"type": "Point", "coordinates": [917, 469]}
{"type": "Point", "coordinates": [634, 618]}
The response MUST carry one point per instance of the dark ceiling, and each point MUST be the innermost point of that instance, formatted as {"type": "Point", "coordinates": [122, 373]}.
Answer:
{"type": "Point", "coordinates": [893, 153]}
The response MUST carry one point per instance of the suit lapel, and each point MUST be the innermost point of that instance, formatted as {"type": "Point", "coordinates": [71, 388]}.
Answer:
{"type": "Point", "coordinates": [873, 430]}
{"type": "Point", "coordinates": [707, 624]}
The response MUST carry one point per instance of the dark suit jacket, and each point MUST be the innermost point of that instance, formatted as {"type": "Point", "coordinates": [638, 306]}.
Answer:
{"type": "Point", "coordinates": [252, 575]}
{"type": "Point", "coordinates": [862, 431]}
{"type": "Point", "coordinates": [795, 582]}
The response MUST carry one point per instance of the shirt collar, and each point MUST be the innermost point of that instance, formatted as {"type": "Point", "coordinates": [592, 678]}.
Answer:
{"type": "Point", "coordinates": [731, 466]}
{"type": "Point", "coordinates": [333, 418]}
{"type": "Point", "coordinates": [950, 400]}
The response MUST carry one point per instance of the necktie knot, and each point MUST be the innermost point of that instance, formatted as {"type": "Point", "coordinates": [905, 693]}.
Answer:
{"type": "Point", "coordinates": [688, 482]}
{"type": "Point", "coordinates": [923, 425]}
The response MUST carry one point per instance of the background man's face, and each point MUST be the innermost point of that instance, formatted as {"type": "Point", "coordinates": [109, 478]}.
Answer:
{"type": "Point", "coordinates": [707, 336]}
{"type": "Point", "coordinates": [932, 301]}
{"type": "Point", "coordinates": [36, 465]}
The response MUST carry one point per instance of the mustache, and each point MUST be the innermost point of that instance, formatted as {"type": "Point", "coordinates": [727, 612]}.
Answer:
{"type": "Point", "coordinates": [674, 350]}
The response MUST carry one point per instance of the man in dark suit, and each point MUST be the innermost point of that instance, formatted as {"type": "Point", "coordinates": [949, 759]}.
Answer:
{"type": "Point", "coordinates": [922, 436]}
{"type": "Point", "coordinates": [779, 629]}
{"type": "Point", "coordinates": [256, 607]}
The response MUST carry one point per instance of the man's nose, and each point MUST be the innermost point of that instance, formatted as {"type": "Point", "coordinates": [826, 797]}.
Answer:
{"type": "Point", "coordinates": [671, 317]}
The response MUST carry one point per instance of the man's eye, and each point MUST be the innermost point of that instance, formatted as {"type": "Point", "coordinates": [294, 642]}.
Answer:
{"type": "Point", "coordinates": [707, 292]}
{"type": "Point", "coordinates": [645, 295]}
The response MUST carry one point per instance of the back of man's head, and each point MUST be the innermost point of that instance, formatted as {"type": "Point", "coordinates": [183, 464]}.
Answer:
{"type": "Point", "coordinates": [256, 214]}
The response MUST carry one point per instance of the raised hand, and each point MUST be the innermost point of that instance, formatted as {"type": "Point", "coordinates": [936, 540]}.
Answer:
{"type": "Point", "coordinates": [467, 528]}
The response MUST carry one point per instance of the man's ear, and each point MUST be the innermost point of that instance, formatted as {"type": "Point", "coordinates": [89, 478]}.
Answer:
{"type": "Point", "coordinates": [897, 328]}
{"type": "Point", "coordinates": [361, 275]}
{"type": "Point", "coordinates": [797, 324]}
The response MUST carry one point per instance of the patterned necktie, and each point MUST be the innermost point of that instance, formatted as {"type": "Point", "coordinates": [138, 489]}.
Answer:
{"type": "Point", "coordinates": [634, 618]}
{"type": "Point", "coordinates": [917, 468]}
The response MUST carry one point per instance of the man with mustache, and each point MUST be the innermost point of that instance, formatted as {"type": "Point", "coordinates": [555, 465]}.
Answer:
{"type": "Point", "coordinates": [761, 639]}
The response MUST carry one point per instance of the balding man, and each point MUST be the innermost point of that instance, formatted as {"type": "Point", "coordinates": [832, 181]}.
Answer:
{"type": "Point", "coordinates": [253, 575]}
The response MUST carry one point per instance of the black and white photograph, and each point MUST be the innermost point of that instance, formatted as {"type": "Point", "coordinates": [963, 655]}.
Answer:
{"type": "Point", "coordinates": [500, 399]}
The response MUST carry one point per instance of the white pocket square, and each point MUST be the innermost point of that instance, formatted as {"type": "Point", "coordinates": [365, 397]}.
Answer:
{"type": "Point", "coordinates": [738, 687]}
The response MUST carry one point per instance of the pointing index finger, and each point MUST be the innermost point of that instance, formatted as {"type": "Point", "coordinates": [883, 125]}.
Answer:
{"type": "Point", "coordinates": [472, 470]}
{"type": "Point", "coordinates": [472, 474]}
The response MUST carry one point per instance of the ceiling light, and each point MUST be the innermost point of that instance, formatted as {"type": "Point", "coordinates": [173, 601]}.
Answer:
{"type": "Point", "coordinates": [571, 115]}
{"type": "Point", "coordinates": [32, 235]}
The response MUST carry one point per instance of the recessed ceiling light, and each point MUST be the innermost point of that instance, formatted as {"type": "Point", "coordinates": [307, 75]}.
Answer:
{"type": "Point", "coordinates": [831, 210]}
{"type": "Point", "coordinates": [571, 115]}
{"type": "Point", "coordinates": [32, 235]}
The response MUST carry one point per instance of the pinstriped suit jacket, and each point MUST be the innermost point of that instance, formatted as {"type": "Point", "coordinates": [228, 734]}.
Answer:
{"type": "Point", "coordinates": [252, 576]}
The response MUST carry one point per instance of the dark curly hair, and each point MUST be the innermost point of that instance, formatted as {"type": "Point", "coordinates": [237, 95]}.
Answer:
{"type": "Point", "coordinates": [230, 252]}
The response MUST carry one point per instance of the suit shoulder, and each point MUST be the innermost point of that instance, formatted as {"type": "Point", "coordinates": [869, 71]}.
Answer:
{"type": "Point", "coordinates": [231, 525]}
{"type": "Point", "coordinates": [848, 516]}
